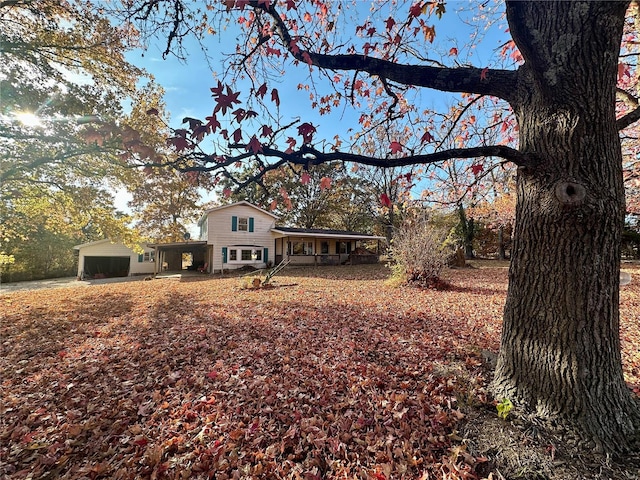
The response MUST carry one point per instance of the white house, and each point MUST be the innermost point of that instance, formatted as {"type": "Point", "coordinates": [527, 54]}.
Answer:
{"type": "Point", "coordinates": [242, 234]}
{"type": "Point", "coordinates": [231, 237]}
{"type": "Point", "coordinates": [104, 258]}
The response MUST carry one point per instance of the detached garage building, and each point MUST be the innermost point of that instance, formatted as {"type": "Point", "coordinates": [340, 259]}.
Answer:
{"type": "Point", "coordinates": [104, 259]}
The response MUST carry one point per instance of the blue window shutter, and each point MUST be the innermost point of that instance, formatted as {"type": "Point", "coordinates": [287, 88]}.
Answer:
{"type": "Point", "coordinates": [224, 254]}
{"type": "Point", "coordinates": [140, 258]}
{"type": "Point", "coordinates": [265, 255]}
{"type": "Point", "coordinates": [251, 224]}
{"type": "Point", "coordinates": [234, 224]}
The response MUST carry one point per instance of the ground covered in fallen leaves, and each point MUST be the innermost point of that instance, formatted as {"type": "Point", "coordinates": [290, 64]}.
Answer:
{"type": "Point", "coordinates": [332, 373]}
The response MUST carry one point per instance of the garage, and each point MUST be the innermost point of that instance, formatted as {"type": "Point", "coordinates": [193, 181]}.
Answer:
{"type": "Point", "coordinates": [106, 259]}
{"type": "Point", "coordinates": [106, 267]}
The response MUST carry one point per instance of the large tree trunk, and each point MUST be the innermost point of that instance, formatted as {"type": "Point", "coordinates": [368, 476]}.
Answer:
{"type": "Point", "coordinates": [560, 351]}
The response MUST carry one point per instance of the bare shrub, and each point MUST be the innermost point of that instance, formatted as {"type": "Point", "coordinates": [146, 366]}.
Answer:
{"type": "Point", "coordinates": [417, 251]}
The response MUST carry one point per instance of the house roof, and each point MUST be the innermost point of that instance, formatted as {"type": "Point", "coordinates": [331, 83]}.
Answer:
{"type": "Point", "coordinates": [324, 233]}
{"type": "Point", "coordinates": [186, 243]}
{"type": "Point", "coordinates": [89, 244]}
{"type": "Point", "coordinates": [243, 202]}
{"type": "Point", "coordinates": [105, 240]}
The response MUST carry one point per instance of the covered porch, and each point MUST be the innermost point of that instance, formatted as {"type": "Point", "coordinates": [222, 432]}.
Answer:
{"type": "Point", "coordinates": [325, 247]}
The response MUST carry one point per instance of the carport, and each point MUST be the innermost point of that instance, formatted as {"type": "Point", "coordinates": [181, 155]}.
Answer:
{"type": "Point", "coordinates": [169, 256]}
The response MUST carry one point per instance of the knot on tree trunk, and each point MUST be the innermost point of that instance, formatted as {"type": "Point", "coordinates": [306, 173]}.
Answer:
{"type": "Point", "coordinates": [570, 194]}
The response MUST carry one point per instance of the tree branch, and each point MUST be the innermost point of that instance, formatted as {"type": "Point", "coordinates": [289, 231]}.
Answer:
{"type": "Point", "coordinates": [626, 120]}
{"type": "Point", "coordinates": [308, 155]}
{"type": "Point", "coordinates": [498, 83]}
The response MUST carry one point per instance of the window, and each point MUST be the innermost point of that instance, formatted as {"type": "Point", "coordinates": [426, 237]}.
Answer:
{"type": "Point", "coordinates": [324, 248]}
{"type": "Point", "coordinates": [246, 255]}
{"type": "Point", "coordinates": [149, 256]}
{"type": "Point", "coordinates": [242, 224]}
{"type": "Point", "coordinates": [341, 247]}
{"type": "Point", "coordinates": [301, 248]}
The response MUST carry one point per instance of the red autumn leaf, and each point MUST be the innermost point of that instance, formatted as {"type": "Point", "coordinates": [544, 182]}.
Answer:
{"type": "Point", "coordinates": [193, 122]}
{"type": "Point", "coordinates": [390, 22]}
{"type": "Point", "coordinates": [484, 73]}
{"type": "Point", "coordinates": [275, 98]}
{"type": "Point", "coordinates": [453, 52]}
{"type": "Point", "coordinates": [226, 192]}
{"type": "Point", "coordinates": [237, 135]}
{"type": "Point", "coordinates": [180, 143]}
{"type": "Point", "coordinates": [429, 32]}
{"type": "Point", "coordinates": [239, 114]}
{"type": "Point", "coordinates": [225, 102]}
{"type": "Point", "coordinates": [266, 131]}
{"type": "Point", "coordinates": [623, 71]}
{"type": "Point", "coordinates": [416, 9]}
{"type": "Point", "coordinates": [213, 123]}
{"type": "Point", "coordinates": [292, 143]}
{"type": "Point", "coordinates": [306, 130]}
{"type": "Point", "coordinates": [385, 200]}
{"type": "Point", "coordinates": [273, 51]}
{"type": "Point", "coordinates": [476, 168]}
{"type": "Point", "coordinates": [325, 183]}
{"type": "Point", "coordinates": [200, 132]}
{"type": "Point", "coordinates": [217, 90]}
{"type": "Point", "coordinates": [395, 147]}
{"type": "Point", "coordinates": [262, 91]}
{"type": "Point", "coordinates": [305, 178]}
{"type": "Point", "coordinates": [212, 374]}
{"type": "Point", "coordinates": [427, 137]}
{"type": "Point", "coordinates": [254, 145]}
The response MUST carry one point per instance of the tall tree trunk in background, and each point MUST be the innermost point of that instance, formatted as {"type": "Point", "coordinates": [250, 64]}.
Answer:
{"type": "Point", "coordinates": [467, 229]}
{"type": "Point", "coordinates": [560, 351]}
{"type": "Point", "coordinates": [501, 250]}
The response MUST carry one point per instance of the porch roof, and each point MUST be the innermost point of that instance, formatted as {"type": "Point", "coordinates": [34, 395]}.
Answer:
{"type": "Point", "coordinates": [178, 245]}
{"type": "Point", "coordinates": [323, 233]}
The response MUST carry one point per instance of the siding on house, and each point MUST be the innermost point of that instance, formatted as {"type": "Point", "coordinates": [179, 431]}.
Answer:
{"type": "Point", "coordinates": [222, 231]}
{"type": "Point", "coordinates": [105, 248]}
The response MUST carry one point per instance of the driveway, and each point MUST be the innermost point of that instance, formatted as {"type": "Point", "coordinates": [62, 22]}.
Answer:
{"type": "Point", "coordinates": [66, 282]}
{"type": "Point", "coordinates": [72, 282]}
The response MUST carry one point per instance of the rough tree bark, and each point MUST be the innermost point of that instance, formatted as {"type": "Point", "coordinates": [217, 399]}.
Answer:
{"type": "Point", "coordinates": [560, 350]}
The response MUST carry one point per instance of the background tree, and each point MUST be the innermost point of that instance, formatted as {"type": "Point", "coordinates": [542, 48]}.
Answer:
{"type": "Point", "coordinates": [560, 351]}
{"type": "Point", "coordinates": [390, 187]}
{"type": "Point", "coordinates": [63, 77]}
{"type": "Point", "coordinates": [322, 196]}
{"type": "Point", "coordinates": [165, 202]}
